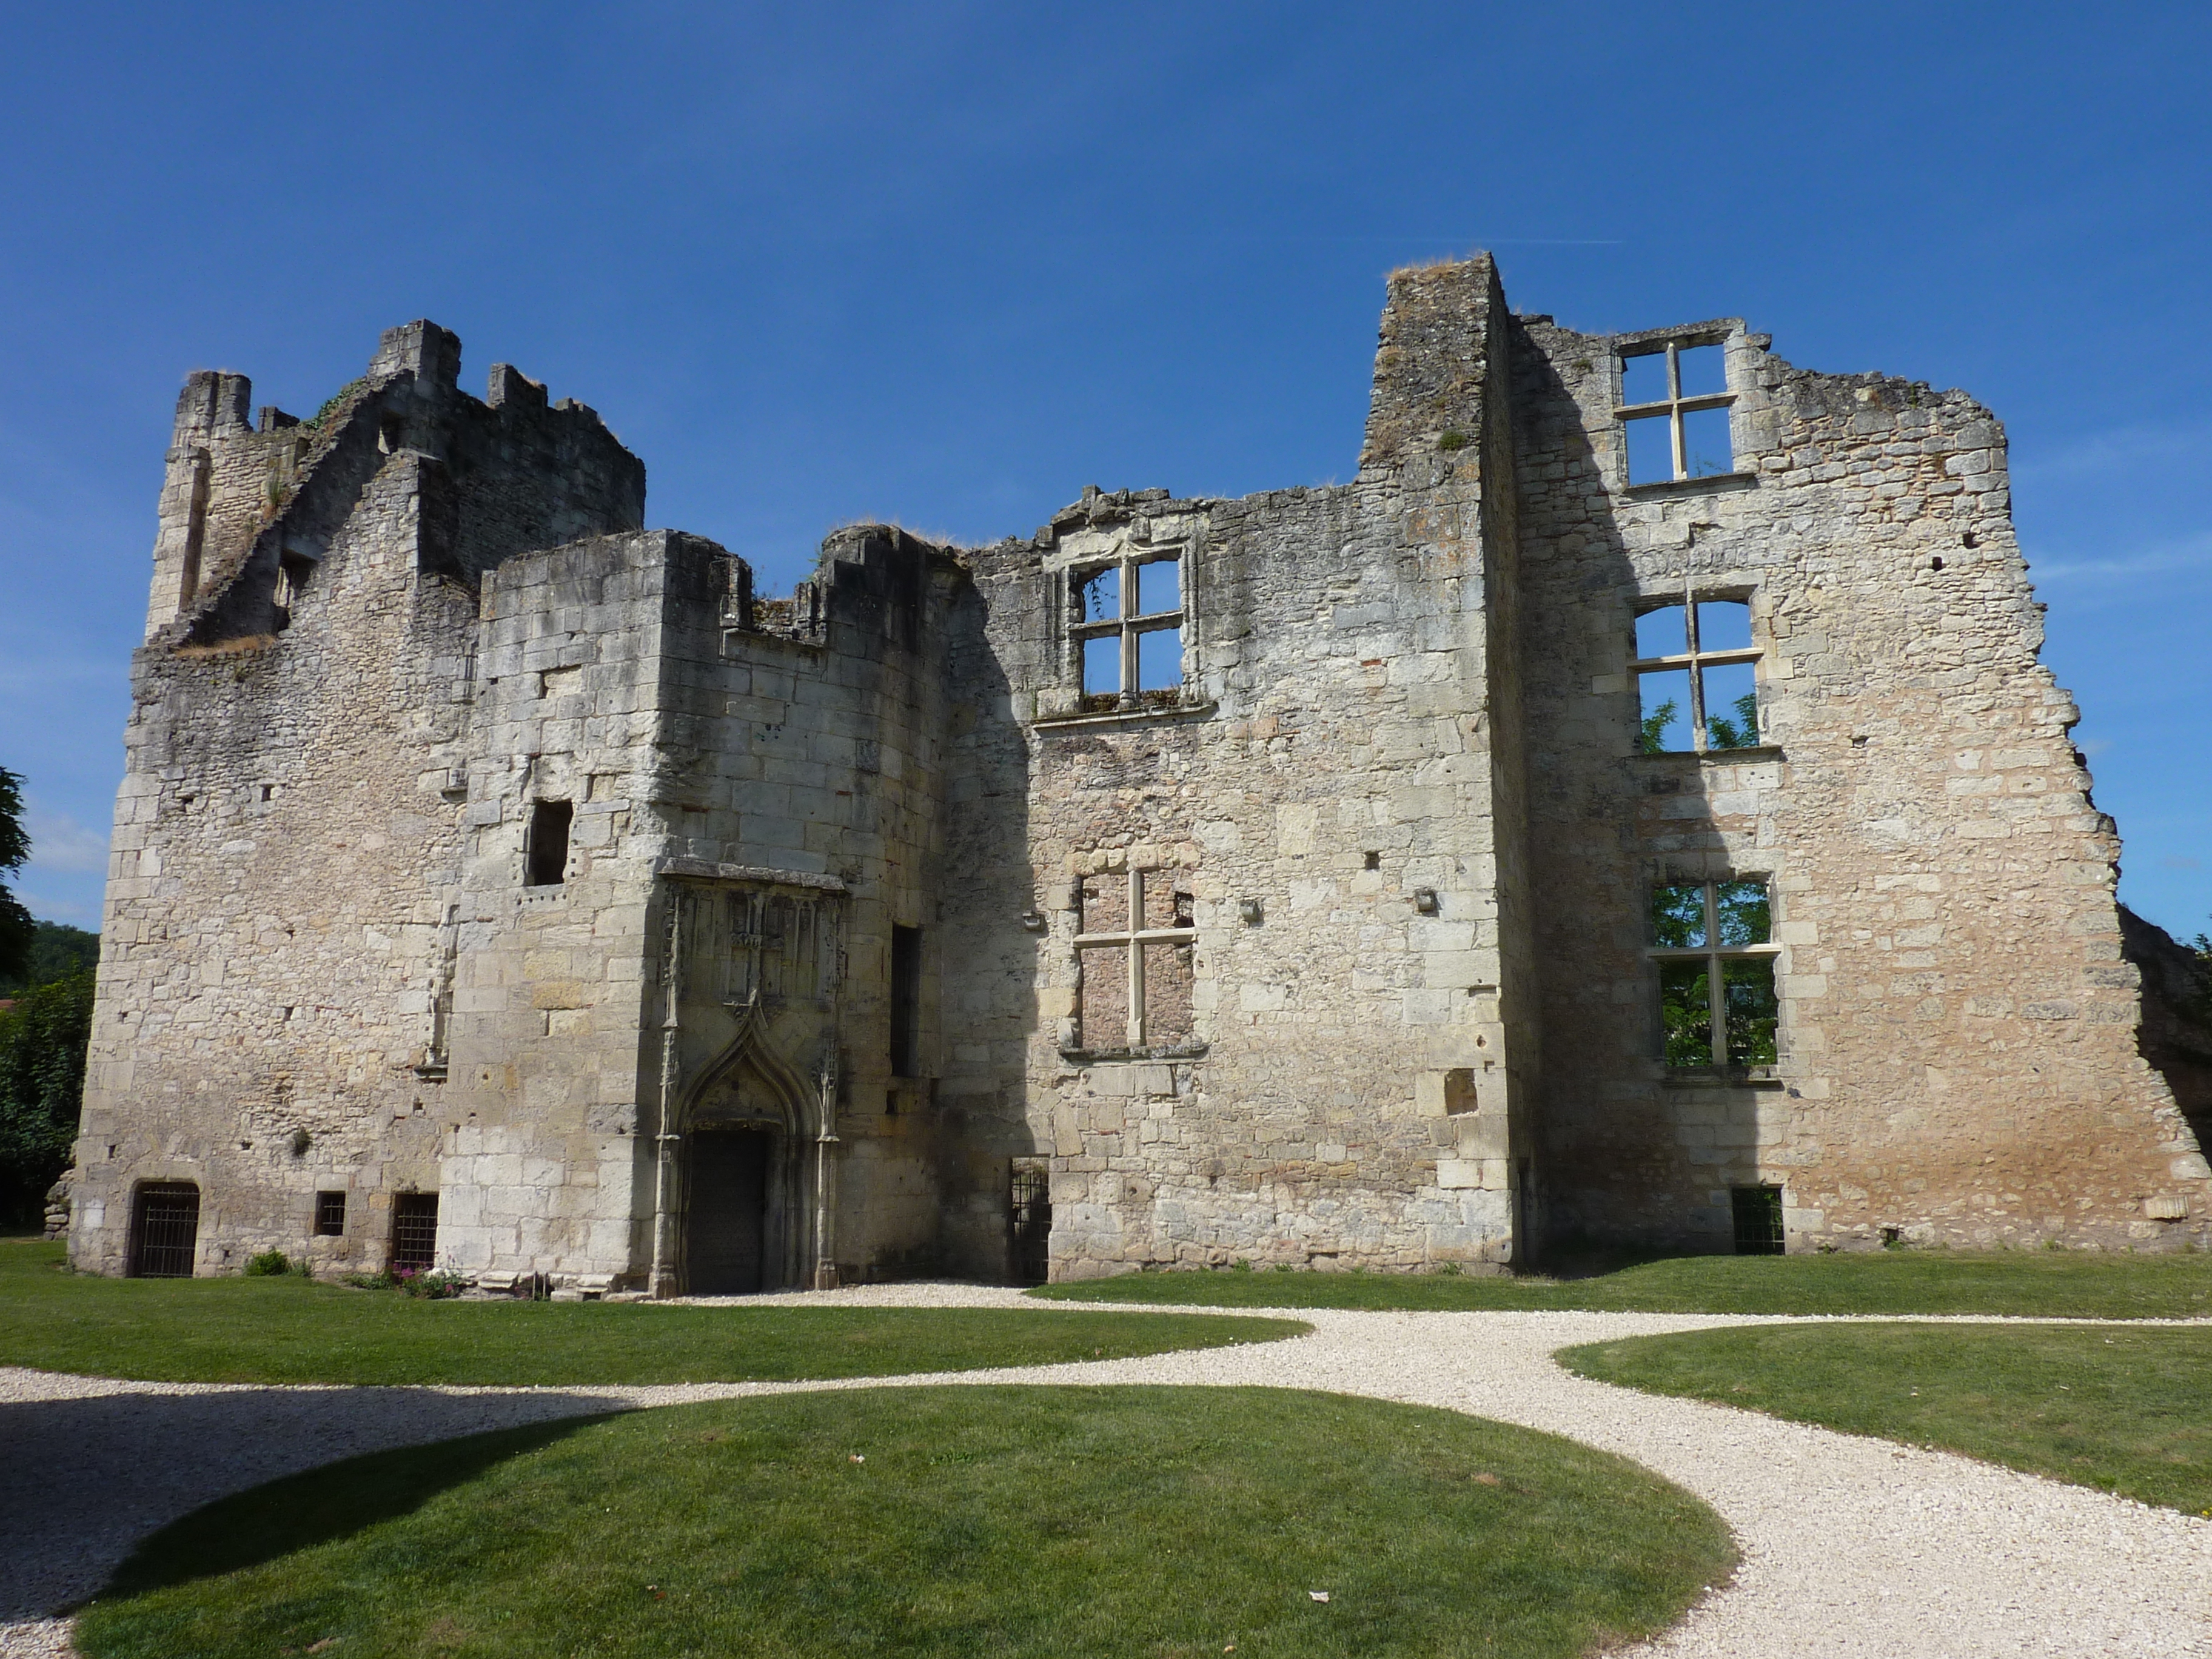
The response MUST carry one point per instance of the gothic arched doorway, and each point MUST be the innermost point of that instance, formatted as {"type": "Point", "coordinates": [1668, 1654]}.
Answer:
{"type": "Point", "coordinates": [726, 1212]}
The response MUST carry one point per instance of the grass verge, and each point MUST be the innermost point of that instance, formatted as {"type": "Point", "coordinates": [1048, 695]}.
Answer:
{"type": "Point", "coordinates": [938, 1521]}
{"type": "Point", "coordinates": [2045, 1285]}
{"type": "Point", "coordinates": [291, 1330]}
{"type": "Point", "coordinates": [2127, 1409]}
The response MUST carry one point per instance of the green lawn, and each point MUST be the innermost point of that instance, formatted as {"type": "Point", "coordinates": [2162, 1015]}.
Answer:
{"type": "Point", "coordinates": [290, 1330]}
{"type": "Point", "coordinates": [953, 1521]}
{"type": "Point", "coordinates": [2042, 1284]}
{"type": "Point", "coordinates": [2124, 1408]}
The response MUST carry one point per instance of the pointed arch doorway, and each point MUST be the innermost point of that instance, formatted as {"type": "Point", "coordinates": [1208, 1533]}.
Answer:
{"type": "Point", "coordinates": [725, 1217]}
{"type": "Point", "coordinates": [750, 1183]}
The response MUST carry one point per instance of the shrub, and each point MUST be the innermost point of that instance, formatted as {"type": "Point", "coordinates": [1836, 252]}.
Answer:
{"type": "Point", "coordinates": [268, 1265]}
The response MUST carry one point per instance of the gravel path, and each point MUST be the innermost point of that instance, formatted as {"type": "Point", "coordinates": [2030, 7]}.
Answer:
{"type": "Point", "coordinates": [1852, 1546]}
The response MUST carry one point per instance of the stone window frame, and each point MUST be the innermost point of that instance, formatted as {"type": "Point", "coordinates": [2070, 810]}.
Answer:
{"type": "Point", "coordinates": [1673, 406]}
{"type": "Point", "coordinates": [1714, 954]}
{"type": "Point", "coordinates": [1130, 941]}
{"type": "Point", "coordinates": [1697, 661]}
{"type": "Point", "coordinates": [1131, 627]}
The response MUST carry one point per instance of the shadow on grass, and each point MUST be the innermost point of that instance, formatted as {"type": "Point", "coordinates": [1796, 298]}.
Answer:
{"type": "Point", "coordinates": [84, 1480]}
{"type": "Point", "coordinates": [323, 1506]}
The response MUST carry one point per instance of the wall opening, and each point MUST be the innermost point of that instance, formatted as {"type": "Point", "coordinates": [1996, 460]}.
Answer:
{"type": "Point", "coordinates": [1028, 1219]}
{"type": "Point", "coordinates": [165, 1230]}
{"type": "Point", "coordinates": [415, 1232]}
{"type": "Point", "coordinates": [546, 847]}
{"type": "Point", "coordinates": [329, 1215]}
{"type": "Point", "coordinates": [1758, 1215]}
{"type": "Point", "coordinates": [906, 1001]}
{"type": "Point", "coordinates": [726, 1212]}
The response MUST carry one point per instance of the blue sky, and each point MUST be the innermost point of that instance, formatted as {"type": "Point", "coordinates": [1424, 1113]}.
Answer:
{"type": "Point", "coordinates": [950, 263]}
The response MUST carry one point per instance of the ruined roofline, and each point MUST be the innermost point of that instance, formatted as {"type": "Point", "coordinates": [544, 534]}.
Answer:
{"type": "Point", "coordinates": [237, 498]}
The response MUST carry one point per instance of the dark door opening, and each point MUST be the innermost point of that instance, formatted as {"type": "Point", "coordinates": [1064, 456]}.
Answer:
{"type": "Point", "coordinates": [165, 1230]}
{"type": "Point", "coordinates": [415, 1232]}
{"type": "Point", "coordinates": [1029, 1212]}
{"type": "Point", "coordinates": [725, 1217]}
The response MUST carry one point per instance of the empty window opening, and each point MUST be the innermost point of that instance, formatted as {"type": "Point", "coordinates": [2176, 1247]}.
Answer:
{"type": "Point", "coordinates": [1674, 412]}
{"type": "Point", "coordinates": [1128, 629]}
{"type": "Point", "coordinates": [329, 1215]}
{"type": "Point", "coordinates": [545, 850]}
{"type": "Point", "coordinates": [1713, 941]}
{"type": "Point", "coordinates": [415, 1232]}
{"type": "Point", "coordinates": [392, 434]}
{"type": "Point", "coordinates": [1697, 677]}
{"type": "Point", "coordinates": [188, 581]}
{"type": "Point", "coordinates": [293, 570]}
{"type": "Point", "coordinates": [268, 791]}
{"type": "Point", "coordinates": [165, 1230]}
{"type": "Point", "coordinates": [1134, 961]}
{"type": "Point", "coordinates": [1374, 860]}
{"type": "Point", "coordinates": [1757, 1211]}
{"type": "Point", "coordinates": [1028, 1217]}
{"type": "Point", "coordinates": [906, 1002]}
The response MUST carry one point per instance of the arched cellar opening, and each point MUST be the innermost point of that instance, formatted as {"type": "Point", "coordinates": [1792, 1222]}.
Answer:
{"type": "Point", "coordinates": [165, 1230]}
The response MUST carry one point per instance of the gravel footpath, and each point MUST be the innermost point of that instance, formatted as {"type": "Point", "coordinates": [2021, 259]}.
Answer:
{"type": "Point", "coordinates": [1852, 1546]}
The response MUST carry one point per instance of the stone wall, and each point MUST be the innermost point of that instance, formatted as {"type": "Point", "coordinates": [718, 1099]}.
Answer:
{"type": "Point", "coordinates": [1958, 1058]}
{"type": "Point", "coordinates": [476, 841]}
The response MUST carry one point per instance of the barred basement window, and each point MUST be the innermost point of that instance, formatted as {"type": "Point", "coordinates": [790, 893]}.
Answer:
{"type": "Point", "coordinates": [1128, 629]}
{"type": "Point", "coordinates": [329, 1215]}
{"type": "Point", "coordinates": [1673, 410]}
{"type": "Point", "coordinates": [1134, 961]}
{"type": "Point", "coordinates": [1757, 1211]}
{"type": "Point", "coordinates": [415, 1232]}
{"type": "Point", "coordinates": [1713, 944]}
{"type": "Point", "coordinates": [165, 1230]}
{"type": "Point", "coordinates": [545, 846]}
{"type": "Point", "coordinates": [1697, 676]}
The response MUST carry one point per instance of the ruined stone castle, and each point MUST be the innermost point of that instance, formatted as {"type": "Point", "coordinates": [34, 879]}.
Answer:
{"type": "Point", "coordinates": [1631, 811]}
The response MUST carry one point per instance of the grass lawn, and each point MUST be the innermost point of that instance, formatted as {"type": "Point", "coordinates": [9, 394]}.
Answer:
{"type": "Point", "coordinates": [942, 1522]}
{"type": "Point", "coordinates": [2043, 1284]}
{"type": "Point", "coordinates": [290, 1330]}
{"type": "Point", "coordinates": [2124, 1408]}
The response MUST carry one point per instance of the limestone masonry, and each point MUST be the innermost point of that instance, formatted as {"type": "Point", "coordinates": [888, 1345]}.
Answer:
{"type": "Point", "coordinates": [1631, 812]}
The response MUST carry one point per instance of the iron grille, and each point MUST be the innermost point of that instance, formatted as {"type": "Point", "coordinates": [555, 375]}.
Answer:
{"type": "Point", "coordinates": [167, 1229]}
{"type": "Point", "coordinates": [1758, 1220]}
{"type": "Point", "coordinates": [1030, 1212]}
{"type": "Point", "coordinates": [329, 1215]}
{"type": "Point", "coordinates": [415, 1232]}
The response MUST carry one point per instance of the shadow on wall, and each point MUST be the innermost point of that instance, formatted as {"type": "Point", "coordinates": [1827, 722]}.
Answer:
{"type": "Point", "coordinates": [2176, 1034]}
{"type": "Point", "coordinates": [101, 1486]}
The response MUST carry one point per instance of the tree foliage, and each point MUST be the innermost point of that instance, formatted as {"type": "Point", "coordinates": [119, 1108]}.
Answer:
{"type": "Point", "coordinates": [42, 1047]}
{"type": "Point", "coordinates": [18, 933]}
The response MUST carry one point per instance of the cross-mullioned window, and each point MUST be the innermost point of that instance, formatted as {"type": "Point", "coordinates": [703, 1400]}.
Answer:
{"type": "Point", "coordinates": [1697, 676]}
{"type": "Point", "coordinates": [1673, 410]}
{"type": "Point", "coordinates": [1713, 942]}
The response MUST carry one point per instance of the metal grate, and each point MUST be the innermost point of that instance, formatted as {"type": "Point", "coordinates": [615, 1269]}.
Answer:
{"type": "Point", "coordinates": [1758, 1220]}
{"type": "Point", "coordinates": [166, 1229]}
{"type": "Point", "coordinates": [1030, 1215]}
{"type": "Point", "coordinates": [414, 1230]}
{"type": "Point", "coordinates": [329, 1215]}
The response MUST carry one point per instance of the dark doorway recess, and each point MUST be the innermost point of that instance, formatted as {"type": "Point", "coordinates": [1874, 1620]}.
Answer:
{"type": "Point", "coordinates": [725, 1217]}
{"type": "Point", "coordinates": [165, 1230]}
{"type": "Point", "coordinates": [1758, 1220]}
{"type": "Point", "coordinates": [1030, 1210]}
{"type": "Point", "coordinates": [414, 1230]}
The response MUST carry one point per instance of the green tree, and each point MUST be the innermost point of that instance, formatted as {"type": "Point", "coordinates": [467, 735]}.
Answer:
{"type": "Point", "coordinates": [18, 933]}
{"type": "Point", "coordinates": [1742, 731]}
{"type": "Point", "coordinates": [43, 1039]}
{"type": "Point", "coordinates": [1652, 740]}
